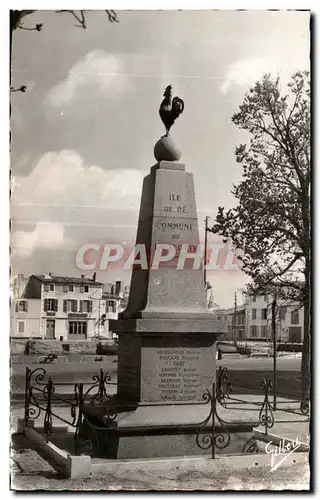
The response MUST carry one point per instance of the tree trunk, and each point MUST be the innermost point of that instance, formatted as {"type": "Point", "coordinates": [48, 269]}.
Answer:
{"type": "Point", "coordinates": [305, 361]}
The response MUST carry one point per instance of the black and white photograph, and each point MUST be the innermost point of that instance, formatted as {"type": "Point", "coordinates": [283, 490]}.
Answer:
{"type": "Point", "coordinates": [160, 250]}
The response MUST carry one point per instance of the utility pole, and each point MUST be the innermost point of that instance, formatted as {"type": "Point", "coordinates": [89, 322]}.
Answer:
{"type": "Point", "coordinates": [205, 250]}
{"type": "Point", "coordinates": [273, 319]}
{"type": "Point", "coordinates": [235, 317]}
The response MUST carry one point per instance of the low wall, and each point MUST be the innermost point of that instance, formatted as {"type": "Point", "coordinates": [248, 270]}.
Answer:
{"type": "Point", "coordinates": [56, 347]}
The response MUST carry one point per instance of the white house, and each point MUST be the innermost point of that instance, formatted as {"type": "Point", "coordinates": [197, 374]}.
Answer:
{"type": "Point", "coordinates": [289, 319]}
{"type": "Point", "coordinates": [67, 307]}
{"type": "Point", "coordinates": [25, 318]}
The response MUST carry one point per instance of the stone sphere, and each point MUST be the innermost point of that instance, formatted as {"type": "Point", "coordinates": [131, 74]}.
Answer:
{"type": "Point", "coordinates": [165, 149]}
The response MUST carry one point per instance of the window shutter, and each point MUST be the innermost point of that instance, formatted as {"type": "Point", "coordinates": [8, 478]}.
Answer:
{"type": "Point", "coordinates": [81, 306]}
{"type": "Point", "coordinates": [45, 305]}
{"type": "Point", "coordinates": [56, 305]}
{"type": "Point", "coordinates": [26, 306]}
{"type": "Point", "coordinates": [90, 306]}
{"type": "Point", "coordinates": [17, 307]}
{"type": "Point", "coordinates": [74, 304]}
{"type": "Point", "coordinates": [64, 306]}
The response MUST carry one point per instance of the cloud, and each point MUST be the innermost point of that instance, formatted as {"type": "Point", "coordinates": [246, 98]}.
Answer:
{"type": "Point", "coordinates": [98, 69]}
{"type": "Point", "coordinates": [61, 178]}
{"type": "Point", "coordinates": [46, 235]}
{"type": "Point", "coordinates": [245, 72]}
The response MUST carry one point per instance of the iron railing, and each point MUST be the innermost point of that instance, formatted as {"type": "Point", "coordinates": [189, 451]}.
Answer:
{"type": "Point", "coordinates": [212, 434]}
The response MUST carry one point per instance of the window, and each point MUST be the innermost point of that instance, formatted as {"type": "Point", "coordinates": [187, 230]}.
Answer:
{"type": "Point", "coordinates": [70, 305]}
{"type": "Point", "coordinates": [263, 313]}
{"type": "Point", "coordinates": [77, 328]}
{"type": "Point", "coordinates": [21, 326]}
{"type": "Point", "coordinates": [253, 299]}
{"type": "Point", "coordinates": [86, 306]}
{"type": "Point", "coordinates": [264, 331]}
{"type": "Point", "coordinates": [283, 311]}
{"type": "Point", "coordinates": [266, 297]}
{"type": "Point", "coordinates": [71, 288]}
{"type": "Point", "coordinates": [111, 306]}
{"type": "Point", "coordinates": [22, 306]}
{"type": "Point", "coordinates": [86, 288]}
{"type": "Point", "coordinates": [65, 288]}
{"type": "Point", "coordinates": [50, 305]}
{"type": "Point", "coordinates": [240, 320]}
{"type": "Point", "coordinates": [51, 287]}
{"type": "Point", "coordinates": [46, 287]}
{"type": "Point", "coordinates": [294, 317]}
{"type": "Point", "coordinates": [253, 331]}
{"type": "Point", "coordinates": [254, 313]}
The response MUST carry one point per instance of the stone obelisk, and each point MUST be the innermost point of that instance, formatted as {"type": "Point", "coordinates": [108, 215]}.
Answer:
{"type": "Point", "coordinates": [167, 353]}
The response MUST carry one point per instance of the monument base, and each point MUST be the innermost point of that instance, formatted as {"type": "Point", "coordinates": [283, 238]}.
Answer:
{"type": "Point", "coordinates": [152, 431]}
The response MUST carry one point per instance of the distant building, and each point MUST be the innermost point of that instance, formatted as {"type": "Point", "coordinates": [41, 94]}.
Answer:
{"type": "Point", "coordinates": [66, 308]}
{"type": "Point", "coordinates": [234, 323]}
{"type": "Point", "coordinates": [289, 319]}
{"type": "Point", "coordinates": [25, 318]}
{"type": "Point", "coordinates": [114, 300]}
{"type": "Point", "coordinates": [253, 321]}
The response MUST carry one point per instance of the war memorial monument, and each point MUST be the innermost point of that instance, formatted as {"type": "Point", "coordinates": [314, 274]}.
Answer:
{"type": "Point", "coordinates": [167, 337]}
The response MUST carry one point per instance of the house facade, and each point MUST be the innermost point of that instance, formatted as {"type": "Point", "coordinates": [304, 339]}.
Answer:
{"type": "Point", "coordinates": [66, 308]}
{"type": "Point", "coordinates": [25, 318]}
{"type": "Point", "coordinates": [289, 319]}
{"type": "Point", "coordinates": [114, 300]}
{"type": "Point", "coordinates": [253, 321]}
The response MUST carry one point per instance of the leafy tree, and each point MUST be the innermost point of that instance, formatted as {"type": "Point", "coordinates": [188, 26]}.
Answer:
{"type": "Point", "coordinates": [270, 226]}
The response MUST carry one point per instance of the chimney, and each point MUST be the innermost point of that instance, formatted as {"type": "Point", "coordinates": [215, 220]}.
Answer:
{"type": "Point", "coordinates": [50, 274]}
{"type": "Point", "coordinates": [94, 276]}
{"type": "Point", "coordinates": [82, 276]}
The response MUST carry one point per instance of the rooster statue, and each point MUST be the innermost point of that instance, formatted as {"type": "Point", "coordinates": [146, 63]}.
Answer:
{"type": "Point", "coordinates": [168, 111]}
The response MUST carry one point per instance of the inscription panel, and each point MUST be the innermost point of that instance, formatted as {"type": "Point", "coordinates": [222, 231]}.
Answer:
{"type": "Point", "coordinates": [176, 373]}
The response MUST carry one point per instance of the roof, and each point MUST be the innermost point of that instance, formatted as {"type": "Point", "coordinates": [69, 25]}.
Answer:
{"type": "Point", "coordinates": [67, 280]}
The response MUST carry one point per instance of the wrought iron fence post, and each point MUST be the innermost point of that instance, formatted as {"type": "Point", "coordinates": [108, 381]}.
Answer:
{"type": "Point", "coordinates": [266, 418]}
{"type": "Point", "coordinates": [213, 412]}
{"type": "Point", "coordinates": [27, 395]}
{"type": "Point", "coordinates": [80, 401]}
{"type": "Point", "coordinates": [48, 390]}
{"type": "Point", "coordinates": [101, 385]}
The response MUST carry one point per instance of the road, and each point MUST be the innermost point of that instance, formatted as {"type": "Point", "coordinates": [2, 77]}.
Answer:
{"type": "Point", "coordinates": [83, 372]}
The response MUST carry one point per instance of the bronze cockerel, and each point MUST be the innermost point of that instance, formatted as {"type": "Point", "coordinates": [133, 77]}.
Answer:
{"type": "Point", "coordinates": [168, 111]}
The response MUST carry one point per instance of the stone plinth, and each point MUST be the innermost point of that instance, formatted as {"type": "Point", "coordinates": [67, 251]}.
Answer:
{"type": "Point", "coordinates": [165, 367]}
{"type": "Point", "coordinates": [167, 351]}
{"type": "Point", "coordinates": [167, 216]}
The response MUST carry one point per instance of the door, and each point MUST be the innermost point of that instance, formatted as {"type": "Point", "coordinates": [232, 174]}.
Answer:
{"type": "Point", "coordinates": [50, 329]}
{"type": "Point", "coordinates": [295, 334]}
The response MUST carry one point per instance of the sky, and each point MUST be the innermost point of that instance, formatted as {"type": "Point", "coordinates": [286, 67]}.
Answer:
{"type": "Point", "coordinates": [83, 134]}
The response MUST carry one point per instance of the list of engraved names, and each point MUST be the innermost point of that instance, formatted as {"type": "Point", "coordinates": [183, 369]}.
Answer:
{"type": "Point", "coordinates": [178, 374]}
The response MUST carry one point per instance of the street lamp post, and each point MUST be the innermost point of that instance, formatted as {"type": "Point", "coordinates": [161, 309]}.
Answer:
{"type": "Point", "coordinates": [205, 250]}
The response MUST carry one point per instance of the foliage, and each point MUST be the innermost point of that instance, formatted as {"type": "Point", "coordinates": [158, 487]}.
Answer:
{"type": "Point", "coordinates": [270, 225]}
